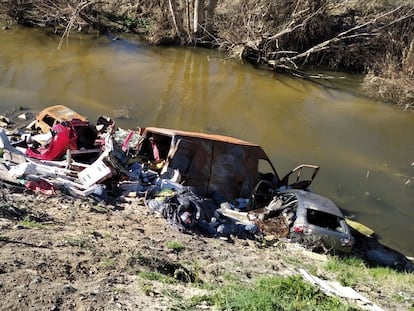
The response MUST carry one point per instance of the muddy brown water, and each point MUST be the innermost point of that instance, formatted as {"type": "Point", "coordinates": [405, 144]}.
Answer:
{"type": "Point", "coordinates": [365, 148]}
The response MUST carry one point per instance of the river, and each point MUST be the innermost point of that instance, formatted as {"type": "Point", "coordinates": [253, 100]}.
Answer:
{"type": "Point", "coordinates": [365, 149]}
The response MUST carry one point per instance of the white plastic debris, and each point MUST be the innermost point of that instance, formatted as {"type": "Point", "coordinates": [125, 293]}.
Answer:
{"type": "Point", "coordinates": [335, 289]}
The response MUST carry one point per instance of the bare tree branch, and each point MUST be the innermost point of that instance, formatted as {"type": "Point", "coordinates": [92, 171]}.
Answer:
{"type": "Point", "coordinates": [340, 37]}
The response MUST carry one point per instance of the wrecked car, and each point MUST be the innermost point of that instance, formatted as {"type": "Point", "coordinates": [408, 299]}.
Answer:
{"type": "Point", "coordinates": [54, 115]}
{"type": "Point", "coordinates": [207, 163]}
{"type": "Point", "coordinates": [319, 218]}
{"type": "Point", "coordinates": [312, 219]}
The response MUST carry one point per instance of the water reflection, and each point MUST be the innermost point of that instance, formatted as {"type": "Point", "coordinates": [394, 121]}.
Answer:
{"type": "Point", "coordinates": [365, 149]}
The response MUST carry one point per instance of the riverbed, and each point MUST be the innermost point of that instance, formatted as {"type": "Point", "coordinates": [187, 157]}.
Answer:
{"type": "Point", "coordinates": [364, 148]}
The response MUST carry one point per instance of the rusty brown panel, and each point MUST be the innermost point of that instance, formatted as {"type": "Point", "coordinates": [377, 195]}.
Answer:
{"type": "Point", "coordinates": [194, 165]}
{"type": "Point", "coordinates": [56, 114]}
{"type": "Point", "coordinates": [214, 162]}
{"type": "Point", "coordinates": [213, 137]}
{"type": "Point", "coordinates": [228, 170]}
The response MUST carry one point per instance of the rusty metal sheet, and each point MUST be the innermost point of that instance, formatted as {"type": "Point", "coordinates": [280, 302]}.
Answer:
{"type": "Point", "coordinates": [212, 163]}
{"type": "Point", "coordinates": [50, 116]}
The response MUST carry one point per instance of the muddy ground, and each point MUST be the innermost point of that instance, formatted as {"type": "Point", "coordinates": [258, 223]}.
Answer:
{"type": "Point", "coordinates": [61, 253]}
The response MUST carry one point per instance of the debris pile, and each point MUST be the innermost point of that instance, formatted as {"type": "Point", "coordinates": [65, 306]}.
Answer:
{"type": "Point", "coordinates": [62, 151]}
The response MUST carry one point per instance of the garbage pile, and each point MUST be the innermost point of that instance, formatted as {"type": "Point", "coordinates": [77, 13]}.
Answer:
{"type": "Point", "coordinates": [61, 150]}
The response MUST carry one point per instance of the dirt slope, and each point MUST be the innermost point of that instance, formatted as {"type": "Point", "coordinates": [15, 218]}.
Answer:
{"type": "Point", "coordinates": [71, 254]}
{"type": "Point", "coordinates": [76, 255]}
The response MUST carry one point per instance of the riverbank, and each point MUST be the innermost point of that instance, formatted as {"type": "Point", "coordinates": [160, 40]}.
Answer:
{"type": "Point", "coordinates": [61, 253]}
{"type": "Point", "coordinates": [370, 37]}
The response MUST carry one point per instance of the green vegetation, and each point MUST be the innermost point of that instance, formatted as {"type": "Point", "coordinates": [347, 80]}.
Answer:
{"type": "Point", "coordinates": [272, 293]}
{"type": "Point", "coordinates": [352, 271]}
{"type": "Point", "coordinates": [107, 263]}
{"type": "Point", "coordinates": [176, 246]}
{"type": "Point", "coordinates": [118, 290]}
{"type": "Point", "coordinates": [276, 293]}
{"type": "Point", "coordinates": [292, 293]}
{"type": "Point", "coordinates": [130, 23]}
{"type": "Point", "coordinates": [147, 289]}
{"type": "Point", "coordinates": [193, 303]}
{"type": "Point", "coordinates": [156, 276]}
{"type": "Point", "coordinates": [30, 223]}
{"type": "Point", "coordinates": [82, 241]}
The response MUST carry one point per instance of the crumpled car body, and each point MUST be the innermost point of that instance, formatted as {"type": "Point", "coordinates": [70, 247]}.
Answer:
{"type": "Point", "coordinates": [211, 164]}
{"type": "Point", "coordinates": [317, 218]}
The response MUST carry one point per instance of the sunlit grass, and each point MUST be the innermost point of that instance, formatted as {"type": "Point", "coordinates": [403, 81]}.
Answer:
{"type": "Point", "coordinates": [156, 276]}
{"type": "Point", "coordinates": [353, 272]}
{"type": "Point", "coordinates": [276, 293]}
{"type": "Point", "coordinates": [29, 223]}
{"type": "Point", "coordinates": [107, 263]}
{"type": "Point", "coordinates": [176, 246]}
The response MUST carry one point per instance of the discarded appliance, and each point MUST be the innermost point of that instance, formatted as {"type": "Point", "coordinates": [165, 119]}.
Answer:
{"type": "Point", "coordinates": [95, 173]}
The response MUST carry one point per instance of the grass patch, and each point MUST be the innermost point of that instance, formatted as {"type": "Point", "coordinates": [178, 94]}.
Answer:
{"type": "Point", "coordinates": [276, 293]}
{"type": "Point", "coordinates": [156, 276]}
{"type": "Point", "coordinates": [162, 266]}
{"type": "Point", "coordinates": [347, 270]}
{"type": "Point", "coordinates": [135, 258]}
{"type": "Point", "coordinates": [176, 246]}
{"type": "Point", "coordinates": [107, 263]}
{"type": "Point", "coordinates": [230, 277]}
{"type": "Point", "coordinates": [82, 241]}
{"type": "Point", "coordinates": [29, 223]}
{"type": "Point", "coordinates": [352, 271]}
{"type": "Point", "coordinates": [194, 303]}
{"type": "Point", "coordinates": [148, 289]}
{"type": "Point", "coordinates": [118, 290]}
